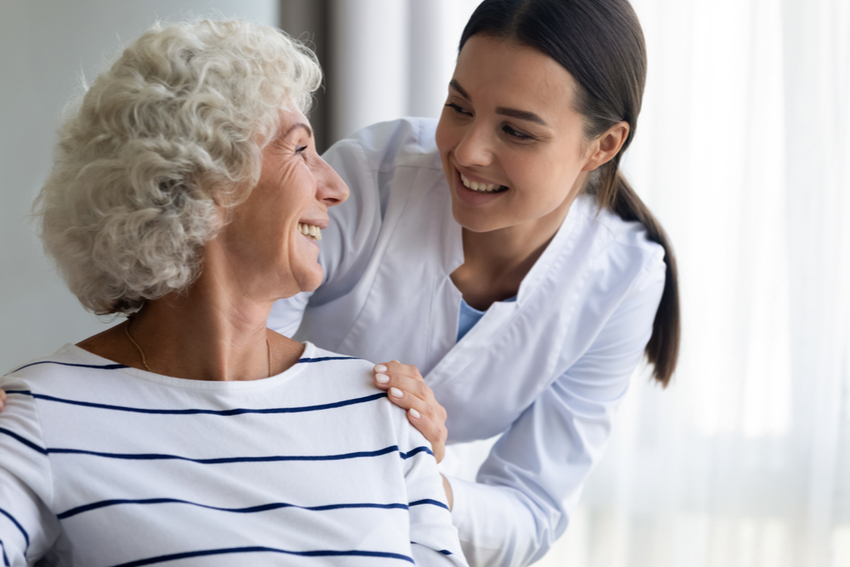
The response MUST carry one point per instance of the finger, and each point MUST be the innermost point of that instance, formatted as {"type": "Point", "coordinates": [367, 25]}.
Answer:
{"type": "Point", "coordinates": [409, 370]}
{"type": "Point", "coordinates": [408, 401]}
{"type": "Point", "coordinates": [2, 399]}
{"type": "Point", "coordinates": [404, 379]}
{"type": "Point", "coordinates": [381, 376]}
{"type": "Point", "coordinates": [434, 433]}
{"type": "Point", "coordinates": [418, 409]}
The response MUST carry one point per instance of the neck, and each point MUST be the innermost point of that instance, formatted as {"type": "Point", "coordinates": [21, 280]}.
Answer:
{"type": "Point", "coordinates": [496, 262]}
{"type": "Point", "coordinates": [215, 331]}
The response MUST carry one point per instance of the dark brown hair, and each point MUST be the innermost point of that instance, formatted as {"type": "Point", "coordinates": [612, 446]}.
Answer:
{"type": "Point", "coordinates": [601, 44]}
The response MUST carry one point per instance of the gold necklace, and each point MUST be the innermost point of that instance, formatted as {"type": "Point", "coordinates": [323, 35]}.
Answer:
{"type": "Point", "coordinates": [148, 368]}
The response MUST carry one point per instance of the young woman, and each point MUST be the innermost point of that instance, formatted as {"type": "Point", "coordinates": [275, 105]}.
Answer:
{"type": "Point", "coordinates": [501, 254]}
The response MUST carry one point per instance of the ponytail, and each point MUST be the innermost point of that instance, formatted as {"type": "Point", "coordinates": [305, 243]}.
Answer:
{"type": "Point", "coordinates": [614, 193]}
{"type": "Point", "coordinates": [600, 43]}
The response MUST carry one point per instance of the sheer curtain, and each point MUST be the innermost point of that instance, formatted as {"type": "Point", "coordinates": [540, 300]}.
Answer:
{"type": "Point", "coordinates": [743, 152]}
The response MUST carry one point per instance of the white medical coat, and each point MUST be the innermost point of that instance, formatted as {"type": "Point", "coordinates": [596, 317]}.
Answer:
{"type": "Point", "coordinates": [546, 371]}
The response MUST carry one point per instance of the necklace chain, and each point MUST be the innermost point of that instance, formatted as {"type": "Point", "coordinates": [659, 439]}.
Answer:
{"type": "Point", "coordinates": [132, 340]}
{"type": "Point", "coordinates": [148, 368]}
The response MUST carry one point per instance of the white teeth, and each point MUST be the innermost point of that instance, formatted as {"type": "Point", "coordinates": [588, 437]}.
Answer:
{"type": "Point", "coordinates": [310, 230]}
{"type": "Point", "coordinates": [480, 187]}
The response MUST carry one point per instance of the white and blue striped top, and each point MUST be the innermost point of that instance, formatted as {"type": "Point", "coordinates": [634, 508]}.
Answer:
{"type": "Point", "coordinates": [105, 465]}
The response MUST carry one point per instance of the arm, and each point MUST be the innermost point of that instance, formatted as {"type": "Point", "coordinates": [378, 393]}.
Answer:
{"type": "Point", "coordinates": [27, 526]}
{"type": "Point", "coordinates": [531, 481]}
{"type": "Point", "coordinates": [434, 540]}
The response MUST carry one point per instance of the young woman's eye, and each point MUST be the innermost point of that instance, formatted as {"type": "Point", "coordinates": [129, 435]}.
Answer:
{"type": "Point", "coordinates": [458, 109]}
{"type": "Point", "coordinates": [516, 134]}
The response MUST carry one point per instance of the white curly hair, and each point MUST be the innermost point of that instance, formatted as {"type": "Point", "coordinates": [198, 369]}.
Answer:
{"type": "Point", "coordinates": [170, 133]}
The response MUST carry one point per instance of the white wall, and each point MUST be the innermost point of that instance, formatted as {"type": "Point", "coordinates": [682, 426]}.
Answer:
{"type": "Point", "coordinates": [44, 47]}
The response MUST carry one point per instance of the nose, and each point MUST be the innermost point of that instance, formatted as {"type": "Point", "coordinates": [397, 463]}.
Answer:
{"type": "Point", "coordinates": [474, 147]}
{"type": "Point", "coordinates": [332, 189]}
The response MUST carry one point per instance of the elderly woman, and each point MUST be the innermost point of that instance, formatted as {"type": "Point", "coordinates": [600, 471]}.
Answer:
{"type": "Point", "coordinates": [187, 194]}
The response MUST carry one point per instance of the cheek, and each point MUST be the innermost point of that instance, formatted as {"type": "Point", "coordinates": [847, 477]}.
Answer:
{"type": "Point", "coordinates": [444, 137]}
{"type": "Point", "coordinates": [545, 183]}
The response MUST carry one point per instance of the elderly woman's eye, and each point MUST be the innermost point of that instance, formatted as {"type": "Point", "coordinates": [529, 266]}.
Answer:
{"type": "Point", "coordinates": [300, 149]}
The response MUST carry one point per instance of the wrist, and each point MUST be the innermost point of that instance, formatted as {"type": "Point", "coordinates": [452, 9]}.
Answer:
{"type": "Point", "coordinates": [447, 486]}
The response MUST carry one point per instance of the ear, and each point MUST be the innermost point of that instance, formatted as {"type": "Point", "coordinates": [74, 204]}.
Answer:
{"type": "Point", "coordinates": [605, 147]}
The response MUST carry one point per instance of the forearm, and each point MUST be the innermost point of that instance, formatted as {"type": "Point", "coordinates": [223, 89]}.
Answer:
{"type": "Point", "coordinates": [447, 486]}
{"type": "Point", "coordinates": [500, 527]}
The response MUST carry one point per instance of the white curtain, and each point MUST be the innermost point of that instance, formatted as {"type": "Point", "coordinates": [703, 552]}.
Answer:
{"type": "Point", "coordinates": [391, 58]}
{"type": "Point", "coordinates": [743, 152]}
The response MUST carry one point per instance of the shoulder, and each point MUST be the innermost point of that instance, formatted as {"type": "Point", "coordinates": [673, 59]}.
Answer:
{"type": "Point", "coordinates": [350, 379]}
{"type": "Point", "coordinates": [68, 360]}
{"type": "Point", "coordinates": [341, 373]}
{"type": "Point", "coordinates": [386, 145]}
{"type": "Point", "coordinates": [621, 249]}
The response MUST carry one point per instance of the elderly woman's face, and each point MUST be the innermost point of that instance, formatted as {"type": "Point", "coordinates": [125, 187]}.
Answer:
{"type": "Point", "coordinates": [267, 231]}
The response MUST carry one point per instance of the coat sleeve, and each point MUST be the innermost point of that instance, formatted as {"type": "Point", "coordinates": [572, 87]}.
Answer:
{"type": "Point", "coordinates": [28, 528]}
{"type": "Point", "coordinates": [433, 537]}
{"type": "Point", "coordinates": [530, 483]}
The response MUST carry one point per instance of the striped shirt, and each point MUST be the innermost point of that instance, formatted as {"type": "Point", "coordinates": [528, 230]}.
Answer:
{"type": "Point", "coordinates": [105, 465]}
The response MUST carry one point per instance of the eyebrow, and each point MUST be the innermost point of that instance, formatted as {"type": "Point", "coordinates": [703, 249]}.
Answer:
{"type": "Point", "coordinates": [512, 112]}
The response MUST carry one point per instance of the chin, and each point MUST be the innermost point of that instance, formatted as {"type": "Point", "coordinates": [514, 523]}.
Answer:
{"type": "Point", "coordinates": [312, 281]}
{"type": "Point", "coordinates": [472, 222]}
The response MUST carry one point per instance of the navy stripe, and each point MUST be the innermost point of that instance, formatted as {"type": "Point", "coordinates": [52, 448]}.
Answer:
{"type": "Point", "coordinates": [26, 442]}
{"type": "Point", "coordinates": [224, 460]}
{"type": "Point", "coordinates": [5, 558]}
{"type": "Point", "coordinates": [19, 526]}
{"type": "Point", "coordinates": [326, 358]}
{"type": "Point", "coordinates": [235, 411]}
{"type": "Point", "coordinates": [429, 501]}
{"type": "Point", "coordinates": [256, 549]}
{"type": "Point", "coordinates": [415, 451]}
{"type": "Point", "coordinates": [120, 366]}
{"type": "Point", "coordinates": [100, 366]}
{"type": "Point", "coordinates": [247, 510]}
{"type": "Point", "coordinates": [443, 551]}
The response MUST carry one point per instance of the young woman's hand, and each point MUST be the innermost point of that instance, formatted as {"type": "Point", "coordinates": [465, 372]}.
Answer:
{"type": "Point", "coordinates": [406, 388]}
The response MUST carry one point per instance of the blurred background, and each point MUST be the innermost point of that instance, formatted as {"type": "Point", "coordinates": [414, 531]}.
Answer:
{"type": "Point", "coordinates": [742, 151]}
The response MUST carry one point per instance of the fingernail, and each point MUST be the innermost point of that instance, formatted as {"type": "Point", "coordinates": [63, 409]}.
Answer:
{"type": "Point", "coordinates": [396, 393]}
{"type": "Point", "coordinates": [414, 414]}
{"type": "Point", "coordinates": [382, 378]}
{"type": "Point", "coordinates": [380, 368]}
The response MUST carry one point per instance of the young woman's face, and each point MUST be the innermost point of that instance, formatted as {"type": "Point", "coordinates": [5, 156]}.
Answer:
{"type": "Point", "coordinates": [510, 140]}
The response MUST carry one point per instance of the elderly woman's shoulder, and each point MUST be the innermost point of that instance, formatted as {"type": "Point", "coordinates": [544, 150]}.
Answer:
{"type": "Point", "coordinates": [347, 371]}
{"type": "Point", "coordinates": [68, 360]}
{"type": "Point", "coordinates": [348, 377]}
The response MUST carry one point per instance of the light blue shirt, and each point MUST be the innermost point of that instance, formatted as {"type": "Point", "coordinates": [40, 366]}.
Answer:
{"type": "Point", "coordinates": [469, 316]}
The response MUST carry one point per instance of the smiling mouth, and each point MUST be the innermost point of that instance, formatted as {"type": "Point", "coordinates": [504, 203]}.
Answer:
{"type": "Point", "coordinates": [481, 187]}
{"type": "Point", "coordinates": [310, 231]}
